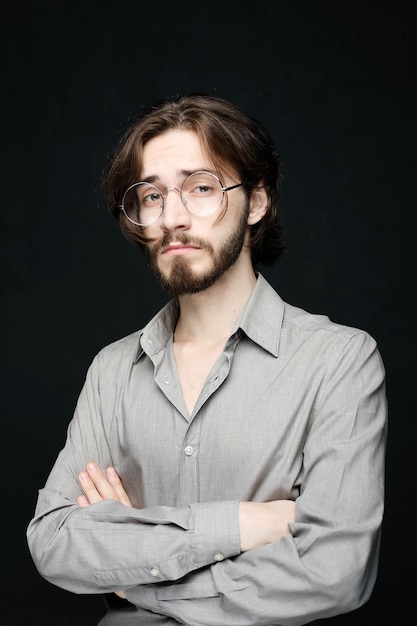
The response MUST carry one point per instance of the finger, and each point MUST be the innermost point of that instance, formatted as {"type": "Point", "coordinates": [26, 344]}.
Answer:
{"type": "Point", "coordinates": [114, 479]}
{"type": "Point", "coordinates": [89, 488]}
{"type": "Point", "coordinates": [82, 501]}
{"type": "Point", "coordinates": [101, 483]}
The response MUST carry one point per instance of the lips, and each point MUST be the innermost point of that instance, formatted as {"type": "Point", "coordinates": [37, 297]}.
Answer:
{"type": "Point", "coordinates": [175, 248]}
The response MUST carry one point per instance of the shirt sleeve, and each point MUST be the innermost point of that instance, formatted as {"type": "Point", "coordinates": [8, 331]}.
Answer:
{"type": "Point", "coordinates": [328, 564]}
{"type": "Point", "coordinates": [108, 546]}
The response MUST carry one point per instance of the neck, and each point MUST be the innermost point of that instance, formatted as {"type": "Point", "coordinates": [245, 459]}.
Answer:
{"type": "Point", "coordinates": [208, 316]}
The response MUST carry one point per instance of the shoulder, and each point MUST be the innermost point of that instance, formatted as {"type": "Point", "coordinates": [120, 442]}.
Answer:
{"type": "Point", "coordinates": [122, 348]}
{"type": "Point", "coordinates": [114, 360]}
{"type": "Point", "coordinates": [322, 340]}
{"type": "Point", "coordinates": [297, 319]}
{"type": "Point", "coordinates": [287, 329]}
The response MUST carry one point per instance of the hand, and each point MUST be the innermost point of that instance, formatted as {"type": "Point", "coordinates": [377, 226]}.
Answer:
{"type": "Point", "coordinates": [264, 522]}
{"type": "Point", "coordinates": [98, 487]}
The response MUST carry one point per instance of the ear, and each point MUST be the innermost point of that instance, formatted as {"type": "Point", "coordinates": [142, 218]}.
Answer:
{"type": "Point", "coordinates": [258, 205]}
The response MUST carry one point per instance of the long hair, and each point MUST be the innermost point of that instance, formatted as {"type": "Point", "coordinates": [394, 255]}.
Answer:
{"type": "Point", "coordinates": [232, 139]}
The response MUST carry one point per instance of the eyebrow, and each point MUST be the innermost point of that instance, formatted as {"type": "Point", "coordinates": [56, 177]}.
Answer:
{"type": "Point", "coordinates": [185, 173]}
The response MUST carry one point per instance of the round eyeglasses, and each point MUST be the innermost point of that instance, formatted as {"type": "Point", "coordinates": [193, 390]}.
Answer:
{"type": "Point", "coordinates": [201, 193]}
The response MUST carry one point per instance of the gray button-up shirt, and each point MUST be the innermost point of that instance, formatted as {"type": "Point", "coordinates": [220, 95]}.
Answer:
{"type": "Point", "coordinates": [294, 408]}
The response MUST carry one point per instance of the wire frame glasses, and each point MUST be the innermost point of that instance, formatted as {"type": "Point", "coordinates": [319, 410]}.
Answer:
{"type": "Point", "coordinates": [202, 193]}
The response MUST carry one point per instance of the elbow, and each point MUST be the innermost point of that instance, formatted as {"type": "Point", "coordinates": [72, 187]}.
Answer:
{"type": "Point", "coordinates": [47, 562]}
{"type": "Point", "coordinates": [348, 587]}
{"type": "Point", "coordinates": [56, 563]}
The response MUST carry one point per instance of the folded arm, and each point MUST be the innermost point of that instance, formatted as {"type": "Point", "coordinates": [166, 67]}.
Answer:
{"type": "Point", "coordinates": [259, 523]}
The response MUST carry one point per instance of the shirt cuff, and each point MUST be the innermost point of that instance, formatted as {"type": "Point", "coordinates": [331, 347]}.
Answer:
{"type": "Point", "coordinates": [216, 532]}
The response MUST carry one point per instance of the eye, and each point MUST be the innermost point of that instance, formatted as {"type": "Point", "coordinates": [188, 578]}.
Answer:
{"type": "Point", "coordinates": [201, 184]}
{"type": "Point", "coordinates": [202, 189]}
{"type": "Point", "coordinates": [151, 198]}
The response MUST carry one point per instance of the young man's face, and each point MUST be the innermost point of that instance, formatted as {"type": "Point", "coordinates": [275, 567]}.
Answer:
{"type": "Point", "coordinates": [190, 253]}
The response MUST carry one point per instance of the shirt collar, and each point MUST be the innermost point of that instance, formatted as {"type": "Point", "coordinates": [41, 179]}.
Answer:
{"type": "Point", "coordinates": [155, 335]}
{"type": "Point", "coordinates": [262, 316]}
{"type": "Point", "coordinates": [260, 320]}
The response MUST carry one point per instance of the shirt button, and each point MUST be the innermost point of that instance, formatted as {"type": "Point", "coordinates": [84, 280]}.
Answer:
{"type": "Point", "coordinates": [154, 571]}
{"type": "Point", "coordinates": [219, 556]}
{"type": "Point", "coordinates": [188, 450]}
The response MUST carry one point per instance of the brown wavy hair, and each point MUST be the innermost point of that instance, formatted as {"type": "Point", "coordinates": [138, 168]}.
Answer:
{"type": "Point", "coordinates": [234, 142]}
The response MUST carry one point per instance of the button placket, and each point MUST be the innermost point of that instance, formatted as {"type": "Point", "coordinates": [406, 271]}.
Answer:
{"type": "Point", "coordinates": [189, 465]}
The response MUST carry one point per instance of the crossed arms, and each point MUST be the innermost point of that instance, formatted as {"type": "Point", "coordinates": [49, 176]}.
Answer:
{"type": "Point", "coordinates": [260, 523]}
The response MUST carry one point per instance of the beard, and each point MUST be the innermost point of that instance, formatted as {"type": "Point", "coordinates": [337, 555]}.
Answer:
{"type": "Point", "coordinates": [181, 279]}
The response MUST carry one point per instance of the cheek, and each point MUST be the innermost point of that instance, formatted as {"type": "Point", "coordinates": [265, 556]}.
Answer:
{"type": "Point", "coordinates": [152, 238]}
{"type": "Point", "coordinates": [152, 233]}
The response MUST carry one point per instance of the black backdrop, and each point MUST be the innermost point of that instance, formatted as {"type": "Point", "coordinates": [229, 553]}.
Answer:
{"type": "Point", "coordinates": [335, 84]}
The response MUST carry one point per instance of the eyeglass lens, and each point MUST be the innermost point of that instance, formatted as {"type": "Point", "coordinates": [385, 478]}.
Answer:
{"type": "Point", "coordinates": [201, 193]}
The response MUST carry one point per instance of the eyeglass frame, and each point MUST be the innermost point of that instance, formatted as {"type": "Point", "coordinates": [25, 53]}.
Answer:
{"type": "Point", "coordinates": [162, 205]}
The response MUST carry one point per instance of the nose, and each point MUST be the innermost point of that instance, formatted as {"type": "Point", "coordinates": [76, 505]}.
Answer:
{"type": "Point", "coordinates": [174, 216]}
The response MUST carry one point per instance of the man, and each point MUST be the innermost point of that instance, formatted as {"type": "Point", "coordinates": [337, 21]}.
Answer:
{"type": "Point", "coordinates": [224, 465]}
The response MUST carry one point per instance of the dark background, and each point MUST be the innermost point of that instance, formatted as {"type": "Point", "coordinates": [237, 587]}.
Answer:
{"type": "Point", "coordinates": [335, 83]}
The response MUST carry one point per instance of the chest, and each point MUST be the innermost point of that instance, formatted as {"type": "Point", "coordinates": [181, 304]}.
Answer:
{"type": "Point", "coordinates": [244, 439]}
{"type": "Point", "coordinates": [193, 367]}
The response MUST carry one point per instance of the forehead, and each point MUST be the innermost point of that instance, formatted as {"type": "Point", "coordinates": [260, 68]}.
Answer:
{"type": "Point", "coordinates": [172, 152]}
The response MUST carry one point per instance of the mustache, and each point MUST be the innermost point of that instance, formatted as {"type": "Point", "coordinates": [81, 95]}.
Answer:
{"type": "Point", "coordinates": [182, 238]}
